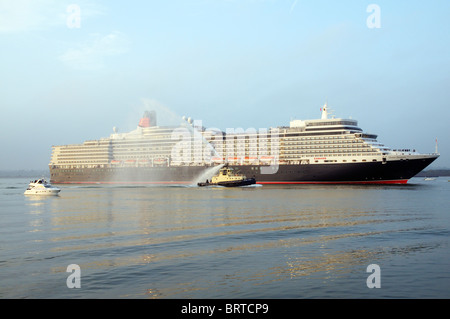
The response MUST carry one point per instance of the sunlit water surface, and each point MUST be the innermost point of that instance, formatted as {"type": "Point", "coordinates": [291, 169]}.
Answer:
{"type": "Point", "coordinates": [253, 242]}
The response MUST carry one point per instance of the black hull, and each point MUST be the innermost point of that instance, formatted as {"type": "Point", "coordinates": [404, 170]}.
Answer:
{"type": "Point", "coordinates": [360, 172]}
{"type": "Point", "coordinates": [398, 171]}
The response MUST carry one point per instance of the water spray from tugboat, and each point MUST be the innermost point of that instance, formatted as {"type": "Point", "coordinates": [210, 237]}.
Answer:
{"type": "Point", "coordinates": [207, 174]}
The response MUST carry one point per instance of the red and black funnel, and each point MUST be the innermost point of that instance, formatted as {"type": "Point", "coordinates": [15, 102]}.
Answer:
{"type": "Point", "coordinates": [148, 119]}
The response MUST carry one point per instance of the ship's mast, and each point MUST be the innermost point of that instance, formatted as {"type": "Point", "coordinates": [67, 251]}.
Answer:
{"type": "Point", "coordinates": [325, 111]}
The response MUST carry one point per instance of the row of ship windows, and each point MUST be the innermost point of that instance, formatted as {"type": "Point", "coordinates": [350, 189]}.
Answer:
{"type": "Point", "coordinates": [87, 164]}
{"type": "Point", "coordinates": [285, 157]}
{"type": "Point", "coordinates": [323, 142]}
{"type": "Point", "coordinates": [69, 169]}
{"type": "Point", "coordinates": [251, 148]}
{"type": "Point", "coordinates": [247, 149]}
{"type": "Point", "coordinates": [236, 147]}
{"type": "Point", "coordinates": [168, 148]}
{"type": "Point", "coordinates": [329, 151]}
{"type": "Point", "coordinates": [83, 151]}
{"type": "Point", "coordinates": [229, 152]}
{"type": "Point", "coordinates": [298, 147]}
{"type": "Point", "coordinates": [250, 144]}
{"type": "Point", "coordinates": [201, 148]}
{"type": "Point", "coordinates": [322, 137]}
{"type": "Point", "coordinates": [169, 138]}
{"type": "Point", "coordinates": [82, 147]}
{"type": "Point", "coordinates": [127, 143]}
{"type": "Point", "coordinates": [75, 168]}
{"type": "Point", "coordinates": [326, 154]}
{"type": "Point", "coordinates": [78, 155]}
{"type": "Point", "coordinates": [332, 123]}
{"type": "Point", "coordinates": [359, 150]}
{"type": "Point", "coordinates": [80, 160]}
{"type": "Point", "coordinates": [297, 155]}
{"type": "Point", "coordinates": [131, 146]}
{"type": "Point", "coordinates": [175, 139]}
{"type": "Point", "coordinates": [192, 149]}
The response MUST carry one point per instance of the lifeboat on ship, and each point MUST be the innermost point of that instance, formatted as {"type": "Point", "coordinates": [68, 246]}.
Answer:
{"type": "Point", "coordinates": [217, 160]}
{"type": "Point", "coordinates": [251, 159]}
{"type": "Point", "coordinates": [160, 161]}
{"type": "Point", "coordinates": [266, 159]}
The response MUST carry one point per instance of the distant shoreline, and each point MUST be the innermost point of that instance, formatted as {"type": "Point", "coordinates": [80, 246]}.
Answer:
{"type": "Point", "coordinates": [46, 173]}
{"type": "Point", "coordinates": [434, 173]}
{"type": "Point", "coordinates": [24, 173]}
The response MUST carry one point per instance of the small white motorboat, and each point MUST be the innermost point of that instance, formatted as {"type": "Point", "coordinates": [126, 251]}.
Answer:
{"type": "Point", "coordinates": [41, 187]}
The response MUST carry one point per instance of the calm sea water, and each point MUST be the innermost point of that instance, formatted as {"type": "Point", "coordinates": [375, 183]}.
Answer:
{"type": "Point", "coordinates": [254, 242]}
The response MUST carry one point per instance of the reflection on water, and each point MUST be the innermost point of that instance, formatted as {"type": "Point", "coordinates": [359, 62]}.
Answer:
{"type": "Point", "coordinates": [264, 241]}
{"type": "Point", "coordinates": [341, 262]}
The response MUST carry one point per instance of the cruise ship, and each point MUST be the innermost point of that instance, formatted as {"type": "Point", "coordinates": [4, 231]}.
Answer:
{"type": "Point", "coordinates": [328, 150]}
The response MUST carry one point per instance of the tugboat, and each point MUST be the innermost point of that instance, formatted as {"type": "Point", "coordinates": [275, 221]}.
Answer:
{"type": "Point", "coordinates": [41, 187]}
{"type": "Point", "coordinates": [229, 178]}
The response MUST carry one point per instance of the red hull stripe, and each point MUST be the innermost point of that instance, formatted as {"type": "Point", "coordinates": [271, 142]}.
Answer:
{"type": "Point", "coordinates": [398, 181]}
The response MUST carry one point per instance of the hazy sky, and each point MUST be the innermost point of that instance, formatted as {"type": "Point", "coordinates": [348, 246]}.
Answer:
{"type": "Point", "coordinates": [72, 70]}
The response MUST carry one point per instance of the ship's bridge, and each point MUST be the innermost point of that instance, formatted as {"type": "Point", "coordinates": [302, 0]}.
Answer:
{"type": "Point", "coordinates": [326, 124]}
